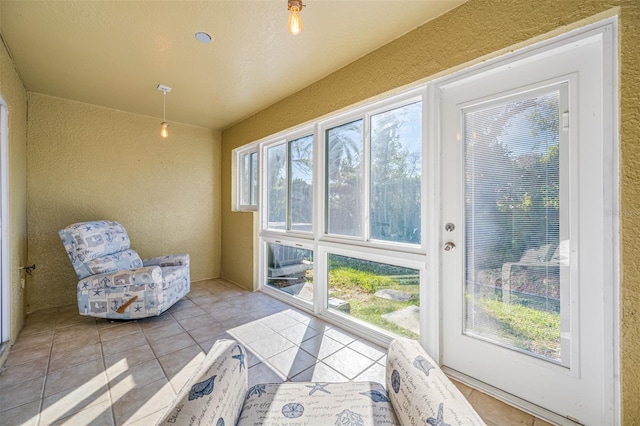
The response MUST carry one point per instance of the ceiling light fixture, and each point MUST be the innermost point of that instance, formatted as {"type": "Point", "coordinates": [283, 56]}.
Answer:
{"type": "Point", "coordinates": [164, 127]}
{"type": "Point", "coordinates": [295, 22]}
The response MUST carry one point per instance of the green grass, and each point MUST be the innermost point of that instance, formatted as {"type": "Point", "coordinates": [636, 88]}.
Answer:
{"type": "Point", "coordinates": [358, 288]}
{"type": "Point", "coordinates": [537, 331]}
{"type": "Point", "coordinates": [530, 329]}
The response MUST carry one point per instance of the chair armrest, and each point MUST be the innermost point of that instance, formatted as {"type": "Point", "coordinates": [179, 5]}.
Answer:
{"type": "Point", "coordinates": [139, 276]}
{"type": "Point", "coordinates": [171, 260]}
{"type": "Point", "coordinates": [216, 390]}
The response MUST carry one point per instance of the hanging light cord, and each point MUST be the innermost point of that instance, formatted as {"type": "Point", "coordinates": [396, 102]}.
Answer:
{"type": "Point", "coordinates": [164, 105]}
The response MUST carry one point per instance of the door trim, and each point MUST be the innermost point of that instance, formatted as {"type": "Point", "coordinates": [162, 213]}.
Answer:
{"type": "Point", "coordinates": [5, 294]}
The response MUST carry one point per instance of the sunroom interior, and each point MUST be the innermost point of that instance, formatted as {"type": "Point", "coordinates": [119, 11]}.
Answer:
{"type": "Point", "coordinates": [279, 226]}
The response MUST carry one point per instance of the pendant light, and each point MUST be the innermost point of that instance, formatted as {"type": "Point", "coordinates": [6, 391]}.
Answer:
{"type": "Point", "coordinates": [295, 22]}
{"type": "Point", "coordinates": [164, 127]}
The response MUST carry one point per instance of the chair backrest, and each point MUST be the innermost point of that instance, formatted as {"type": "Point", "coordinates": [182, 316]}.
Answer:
{"type": "Point", "coordinates": [538, 254]}
{"type": "Point", "coordinates": [419, 390]}
{"type": "Point", "coordinates": [99, 247]}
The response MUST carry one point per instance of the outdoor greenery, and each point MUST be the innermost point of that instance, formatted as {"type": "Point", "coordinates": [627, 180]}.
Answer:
{"type": "Point", "coordinates": [512, 179]}
{"type": "Point", "coordinates": [533, 330]}
{"type": "Point", "coordinates": [356, 281]}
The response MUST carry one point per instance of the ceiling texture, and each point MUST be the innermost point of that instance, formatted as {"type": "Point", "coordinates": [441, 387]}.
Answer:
{"type": "Point", "coordinates": [115, 53]}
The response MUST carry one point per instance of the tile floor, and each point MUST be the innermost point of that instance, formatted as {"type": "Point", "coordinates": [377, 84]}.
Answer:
{"type": "Point", "coordinates": [75, 370]}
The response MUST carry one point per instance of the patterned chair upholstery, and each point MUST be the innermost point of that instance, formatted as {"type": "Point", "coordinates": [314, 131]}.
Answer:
{"type": "Point", "coordinates": [418, 393]}
{"type": "Point", "coordinates": [114, 282]}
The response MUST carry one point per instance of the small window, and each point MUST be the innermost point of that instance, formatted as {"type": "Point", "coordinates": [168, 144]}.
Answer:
{"type": "Point", "coordinates": [289, 185]}
{"type": "Point", "coordinates": [247, 179]}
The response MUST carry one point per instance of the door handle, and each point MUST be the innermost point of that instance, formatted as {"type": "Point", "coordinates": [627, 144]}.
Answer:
{"type": "Point", "coordinates": [449, 246]}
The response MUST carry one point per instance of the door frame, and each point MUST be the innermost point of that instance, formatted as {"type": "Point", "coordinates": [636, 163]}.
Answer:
{"type": "Point", "coordinates": [5, 330]}
{"type": "Point", "coordinates": [607, 29]}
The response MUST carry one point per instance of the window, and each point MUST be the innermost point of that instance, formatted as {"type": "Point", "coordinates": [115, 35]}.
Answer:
{"type": "Point", "coordinates": [396, 172]}
{"type": "Point", "coordinates": [344, 179]}
{"type": "Point", "coordinates": [301, 184]}
{"type": "Point", "coordinates": [246, 179]}
{"type": "Point", "coordinates": [276, 186]}
{"type": "Point", "coordinates": [358, 256]}
{"type": "Point", "coordinates": [374, 176]}
{"type": "Point", "coordinates": [289, 192]}
{"type": "Point", "coordinates": [290, 270]}
{"type": "Point", "coordinates": [381, 294]}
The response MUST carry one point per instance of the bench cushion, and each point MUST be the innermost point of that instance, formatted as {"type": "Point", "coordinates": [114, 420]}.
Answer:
{"type": "Point", "coordinates": [353, 403]}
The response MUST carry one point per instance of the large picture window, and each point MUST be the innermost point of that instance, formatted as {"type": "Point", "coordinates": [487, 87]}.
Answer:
{"type": "Point", "coordinates": [370, 202]}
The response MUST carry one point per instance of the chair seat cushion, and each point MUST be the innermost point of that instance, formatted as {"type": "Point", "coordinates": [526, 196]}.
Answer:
{"type": "Point", "coordinates": [352, 403]}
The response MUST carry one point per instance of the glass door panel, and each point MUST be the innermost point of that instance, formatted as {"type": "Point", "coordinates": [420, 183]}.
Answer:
{"type": "Point", "coordinates": [516, 243]}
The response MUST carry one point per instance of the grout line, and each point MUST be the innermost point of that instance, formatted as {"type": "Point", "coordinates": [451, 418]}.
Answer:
{"type": "Point", "coordinates": [46, 375]}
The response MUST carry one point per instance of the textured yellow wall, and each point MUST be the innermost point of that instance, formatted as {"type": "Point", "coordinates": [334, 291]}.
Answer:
{"type": "Point", "coordinates": [479, 28]}
{"type": "Point", "coordinates": [15, 96]}
{"type": "Point", "coordinates": [89, 163]}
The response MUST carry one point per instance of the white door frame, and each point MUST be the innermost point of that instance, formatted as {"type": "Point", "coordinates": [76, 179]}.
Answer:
{"type": "Point", "coordinates": [5, 307]}
{"type": "Point", "coordinates": [606, 29]}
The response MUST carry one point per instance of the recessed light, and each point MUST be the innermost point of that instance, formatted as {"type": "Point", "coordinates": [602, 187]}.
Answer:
{"type": "Point", "coordinates": [203, 37]}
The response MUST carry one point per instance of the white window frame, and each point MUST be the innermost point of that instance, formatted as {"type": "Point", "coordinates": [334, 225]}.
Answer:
{"type": "Point", "coordinates": [238, 179]}
{"type": "Point", "coordinates": [285, 138]}
{"type": "Point", "coordinates": [365, 113]}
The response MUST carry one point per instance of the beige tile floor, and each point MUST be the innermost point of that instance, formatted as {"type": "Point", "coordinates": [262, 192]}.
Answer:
{"type": "Point", "coordinates": [75, 370]}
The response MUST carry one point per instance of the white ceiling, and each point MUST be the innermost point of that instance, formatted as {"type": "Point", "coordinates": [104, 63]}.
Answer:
{"type": "Point", "coordinates": [115, 53]}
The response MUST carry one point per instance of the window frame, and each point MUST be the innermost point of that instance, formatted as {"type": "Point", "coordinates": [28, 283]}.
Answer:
{"type": "Point", "coordinates": [286, 138]}
{"type": "Point", "coordinates": [365, 113]}
{"type": "Point", "coordinates": [239, 181]}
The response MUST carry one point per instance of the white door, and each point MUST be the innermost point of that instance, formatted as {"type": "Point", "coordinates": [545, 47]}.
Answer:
{"type": "Point", "coordinates": [526, 246]}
